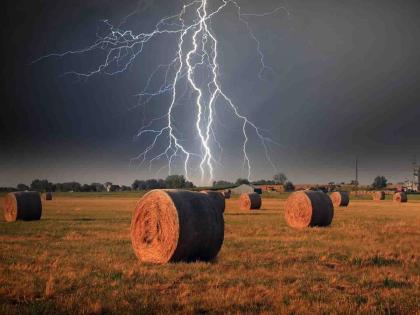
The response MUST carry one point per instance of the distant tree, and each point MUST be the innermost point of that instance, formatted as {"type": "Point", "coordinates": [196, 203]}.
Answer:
{"type": "Point", "coordinates": [135, 185]}
{"type": "Point", "coordinates": [175, 181]}
{"type": "Point", "coordinates": [280, 178]}
{"type": "Point", "coordinates": [98, 187]}
{"type": "Point", "coordinates": [86, 188]}
{"type": "Point", "coordinates": [222, 183]}
{"type": "Point", "coordinates": [149, 184]}
{"type": "Point", "coordinates": [354, 183]}
{"type": "Point", "coordinates": [242, 181]}
{"type": "Point", "coordinates": [41, 185]}
{"type": "Point", "coordinates": [58, 187]}
{"type": "Point", "coordinates": [114, 188]}
{"type": "Point", "coordinates": [22, 187]}
{"type": "Point", "coordinates": [125, 188]}
{"type": "Point", "coordinates": [152, 184]}
{"type": "Point", "coordinates": [70, 186]}
{"type": "Point", "coordinates": [323, 189]}
{"type": "Point", "coordinates": [7, 189]}
{"type": "Point", "coordinates": [162, 183]}
{"type": "Point", "coordinates": [264, 182]}
{"type": "Point", "coordinates": [189, 185]}
{"type": "Point", "coordinates": [138, 185]}
{"type": "Point", "coordinates": [379, 182]}
{"type": "Point", "coordinates": [74, 186]}
{"type": "Point", "coordinates": [288, 186]}
{"type": "Point", "coordinates": [36, 185]}
{"type": "Point", "coordinates": [332, 187]}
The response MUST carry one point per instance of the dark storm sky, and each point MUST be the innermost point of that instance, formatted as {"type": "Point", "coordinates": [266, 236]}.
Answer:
{"type": "Point", "coordinates": [346, 83]}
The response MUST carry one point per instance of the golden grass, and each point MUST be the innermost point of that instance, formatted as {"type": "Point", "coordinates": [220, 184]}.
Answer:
{"type": "Point", "coordinates": [78, 259]}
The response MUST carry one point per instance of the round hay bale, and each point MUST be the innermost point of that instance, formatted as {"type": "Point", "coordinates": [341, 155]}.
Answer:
{"type": "Point", "coordinates": [175, 225]}
{"type": "Point", "coordinates": [400, 197]}
{"type": "Point", "coordinates": [48, 196]}
{"type": "Point", "coordinates": [25, 205]}
{"type": "Point", "coordinates": [378, 195]}
{"type": "Point", "coordinates": [250, 201]}
{"type": "Point", "coordinates": [308, 208]}
{"type": "Point", "coordinates": [340, 198]}
{"type": "Point", "coordinates": [217, 198]}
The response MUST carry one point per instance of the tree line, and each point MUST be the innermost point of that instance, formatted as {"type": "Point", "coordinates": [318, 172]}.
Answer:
{"type": "Point", "coordinates": [170, 182]}
{"type": "Point", "coordinates": [43, 185]}
{"type": "Point", "coordinates": [278, 179]}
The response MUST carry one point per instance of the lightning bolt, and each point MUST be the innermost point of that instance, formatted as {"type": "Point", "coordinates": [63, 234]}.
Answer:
{"type": "Point", "coordinates": [197, 52]}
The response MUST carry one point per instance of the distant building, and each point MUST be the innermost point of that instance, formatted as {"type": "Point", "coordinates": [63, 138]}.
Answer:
{"type": "Point", "coordinates": [413, 185]}
{"type": "Point", "coordinates": [277, 188]}
{"type": "Point", "coordinates": [246, 189]}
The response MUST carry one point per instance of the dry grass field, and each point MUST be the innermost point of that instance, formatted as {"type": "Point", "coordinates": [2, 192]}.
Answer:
{"type": "Point", "coordinates": [78, 259]}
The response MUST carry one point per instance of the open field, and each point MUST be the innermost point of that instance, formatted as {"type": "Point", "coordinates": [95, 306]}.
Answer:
{"type": "Point", "coordinates": [78, 259]}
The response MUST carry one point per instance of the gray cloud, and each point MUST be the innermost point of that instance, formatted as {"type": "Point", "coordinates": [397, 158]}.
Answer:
{"type": "Point", "coordinates": [346, 83]}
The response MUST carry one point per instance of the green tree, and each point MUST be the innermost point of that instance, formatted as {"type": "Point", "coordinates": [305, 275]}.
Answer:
{"type": "Point", "coordinates": [22, 187]}
{"type": "Point", "coordinates": [98, 187]}
{"type": "Point", "coordinates": [71, 186]}
{"type": "Point", "coordinates": [280, 178]}
{"type": "Point", "coordinates": [152, 184]}
{"type": "Point", "coordinates": [41, 185]}
{"type": "Point", "coordinates": [264, 182]}
{"type": "Point", "coordinates": [222, 183]}
{"type": "Point", "coordinates": [379, 182]}
{"type": "Point", "coordinates": [86, 188]}
{"type": "Point", "coordinates": [288, 186]}
{"type": "Point", "coordinates": [175, 181]}
{"type": "Point", "coordinates": [138, 185]}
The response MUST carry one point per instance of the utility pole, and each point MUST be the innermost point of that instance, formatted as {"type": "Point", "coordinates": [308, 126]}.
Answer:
{"type": "Point", "coordinates": [416, 175]}
{"type": "Point", "coordinates": [357, 174]}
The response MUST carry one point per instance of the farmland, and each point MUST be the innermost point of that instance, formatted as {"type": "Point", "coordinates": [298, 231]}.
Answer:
{"type": "Point", "coordinates": [78, 259]}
